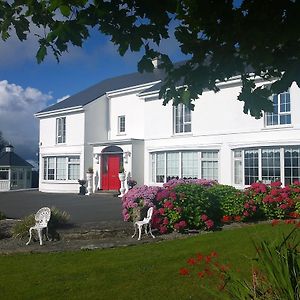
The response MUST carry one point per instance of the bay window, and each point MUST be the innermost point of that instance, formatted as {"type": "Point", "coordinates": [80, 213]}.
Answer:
{"type": "Point", "coordinates": [183, 164]}
{"type": "Point", "coordinates": [266, 165]}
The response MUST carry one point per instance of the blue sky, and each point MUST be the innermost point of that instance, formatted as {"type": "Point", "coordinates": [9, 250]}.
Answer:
{"type": "Point", "coordinates": [27, 87]}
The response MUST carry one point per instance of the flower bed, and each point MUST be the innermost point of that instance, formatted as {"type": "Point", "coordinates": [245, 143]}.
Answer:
{"type": "Point", "coordinates": [204, 204]}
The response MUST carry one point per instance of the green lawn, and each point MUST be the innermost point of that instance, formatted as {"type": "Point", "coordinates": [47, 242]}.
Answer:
{"type": "Point", "coordinates": [149, 271]}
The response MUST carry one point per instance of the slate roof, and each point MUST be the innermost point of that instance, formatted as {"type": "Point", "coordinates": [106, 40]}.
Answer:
{"type": "Point", "coordinates": [90, 94]}
{"type": "Point", "coordinates": [12, 159]}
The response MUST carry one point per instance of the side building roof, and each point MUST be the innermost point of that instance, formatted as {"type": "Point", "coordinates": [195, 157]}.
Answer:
{"type": "Point", "coordinates": [13, 159]}
{"type": "Point", "coordinates": [90, 94]}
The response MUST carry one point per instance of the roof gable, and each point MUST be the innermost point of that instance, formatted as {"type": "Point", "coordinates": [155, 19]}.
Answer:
{"type": "Point", "coordinates": [12, 159]}
{"type": "Point", "coordinates": [92, 93]}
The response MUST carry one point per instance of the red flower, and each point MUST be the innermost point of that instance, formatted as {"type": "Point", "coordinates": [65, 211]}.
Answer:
{"type": "Point", "coordinates": [214, 254]}
{"type": "Point", "coordinates": [246, 214]}
{"type": "Point", "coordinates": [209, 224]}
{"type": "Point", "coordinates": [199, 256]}
{"type": "Point", "coordinates": [161, 211]}
{"type": "Point", "coordinates": [191, 261]}
{"type": "Point", "coordinates": [165, 221]}
{"type": "Point", "coordinates": [201, 274]}
{"type": "Point", "coordinates": [275, 222]}
{"type": "Point", "coordinates": [204, 217]}
{"type": "Point", "coordinates": [226, 219]}
{"type": "Point", "coordinates": [275, 184]}
{"type": "Point", "coordinates": [237, 218]}
{"type": "Point", "coordinates": [207, 259]}
{"type": "Point", "coordinates": [184, 271]}
{"type": "Point", "coordinates": [163, 229]}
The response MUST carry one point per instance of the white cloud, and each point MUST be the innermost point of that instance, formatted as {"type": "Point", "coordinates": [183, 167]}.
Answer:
{"type": "Point", "coordinates": [17, 121]}
{"type": "Point", "coordinates": [62, 98]}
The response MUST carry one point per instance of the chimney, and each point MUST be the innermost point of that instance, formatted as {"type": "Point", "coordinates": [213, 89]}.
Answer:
{"type": "Point", "coordinates": [9, 148]}
{"type": "Point", "coordinates": [155, 62]}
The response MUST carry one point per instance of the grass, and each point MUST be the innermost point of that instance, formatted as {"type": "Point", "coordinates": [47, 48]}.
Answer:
{"type": "Point", "coordinates": [149, 271]}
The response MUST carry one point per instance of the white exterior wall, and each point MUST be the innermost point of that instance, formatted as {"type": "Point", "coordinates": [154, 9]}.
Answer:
{"type": "Point", "coordinates": [75, 137]}
{"type": "Point", "coordinates": [132, 107]}
{"type": "Point", "coordinates": [218, 123]}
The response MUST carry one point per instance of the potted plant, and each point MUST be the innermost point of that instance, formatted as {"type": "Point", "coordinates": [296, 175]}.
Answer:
{"type": "Point", "coordinates": [82, 188]}
{"type": "Point", "coordinates": [121, 173]}
{"type": "Point", "coordinates": [89, 178]}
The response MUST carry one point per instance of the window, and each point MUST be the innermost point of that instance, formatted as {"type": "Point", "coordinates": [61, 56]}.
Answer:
{"type": "Point", "coordinates": [267, 165]}
{"type": "Point", "coordinates": [209, 165]}
{"type": "Point", "coordinates": [3, 173]}
{"type": "Point", "coordinates": [281, 114]}
{"type": "Point", "coordinates": [270, 161]}
{"type": "Point", "coordinates": [60, 130]}
{"type": "Point", "coordinates": [183, 164]}
{"type": "Point", "coordinates": [121, 124]}
{"type": "Point", "coordinates": [291, 164]}
{"type": "Point", "coordinates": [251, 166]}
{"type": "Point", "coordinates": [182, 119]}
{"type": "Point", "coordinates": [62, 168]}
{"type": "Point", "coordinates": [190, 163]}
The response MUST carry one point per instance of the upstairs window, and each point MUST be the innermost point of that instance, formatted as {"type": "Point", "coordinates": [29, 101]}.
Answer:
{"type": "Point", "coordinates": [61, 130]}
{"type": "Point", "coordinates": [281, 114]}
{"type": "Point", "coordinates": [182, 119]}
{"type": "Point", "coordinates": [121, 124]}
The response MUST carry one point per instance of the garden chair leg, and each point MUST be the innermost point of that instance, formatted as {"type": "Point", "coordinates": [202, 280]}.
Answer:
{"type": "Point", "coordinates": [40, 236]}
{"type": "Point", "coordinates": [140, 232]}
{"type": "Point", "coordinates": [150, 230]}
{"type": "Point", "coordinates": [134, 231]}
{"type": "Point", "coordinates": [30, 235]}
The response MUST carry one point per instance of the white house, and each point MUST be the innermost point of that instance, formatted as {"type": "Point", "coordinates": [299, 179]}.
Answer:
{"type": "Point", "coordinates": [15, 172]}
{"type": "Point", "coordinates": [121, 122]}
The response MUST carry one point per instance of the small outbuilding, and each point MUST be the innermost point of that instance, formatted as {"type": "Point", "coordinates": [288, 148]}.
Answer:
{"type": "Point", "coordinates": [15, 172]}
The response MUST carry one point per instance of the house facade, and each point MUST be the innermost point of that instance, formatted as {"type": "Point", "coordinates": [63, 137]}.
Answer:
{"type": "Point", "coordinates": [15, 172]}
{"type": "Point", "coordinates": [121, 122]}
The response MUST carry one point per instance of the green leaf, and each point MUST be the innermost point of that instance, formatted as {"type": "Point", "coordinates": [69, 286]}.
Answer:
{"type": "Point", "coordinates": [41, 53]}
{"type": "Point", "coordinates": [65, 10]}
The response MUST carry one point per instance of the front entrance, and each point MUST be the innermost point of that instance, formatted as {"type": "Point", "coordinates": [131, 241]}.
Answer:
{"type": "Point", "coordinates": [110, 170]}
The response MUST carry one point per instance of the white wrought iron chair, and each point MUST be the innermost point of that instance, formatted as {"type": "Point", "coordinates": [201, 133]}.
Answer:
{"type": "Point", "coordinates": [42, 218]}
{"type": "Point", "coordinates": [145, 222]}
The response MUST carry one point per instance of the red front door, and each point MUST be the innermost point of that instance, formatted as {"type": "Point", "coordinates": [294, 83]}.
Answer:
{"type": "Point", "coordinates": [110, 178]}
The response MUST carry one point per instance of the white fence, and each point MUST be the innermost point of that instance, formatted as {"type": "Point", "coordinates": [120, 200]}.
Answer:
{"type": "Point", "coordinates": [4, 185]}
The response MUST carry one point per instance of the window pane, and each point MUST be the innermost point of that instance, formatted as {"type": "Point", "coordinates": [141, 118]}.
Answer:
{"type": "Point", "coordinates": [291, 165]}
{"type": "Point", "coordinates": [160, 167]}
{"type": "Point", "coordinates": [152, 161]}
{"type": "Point", "coordinates": [3, 174]}
{"type": "Point", "coordinates": [189, 164]}
{"type": "Point", "coordinates": [251, 166]}
{"type": "Point", "coordinates": [121, 124]}
{"type": "Point", "coordinates": [61, 168]}
{"type": "Point", "coordinates": [270, 165]}
{"type": "Point", "coordinates": [209, 166]}
{"type": "Point", "coordinates": [172, 165]}
{"type": "Point", "coordinates": [51, 168]}
{"type": "Point", "coordinates": [182, 119]}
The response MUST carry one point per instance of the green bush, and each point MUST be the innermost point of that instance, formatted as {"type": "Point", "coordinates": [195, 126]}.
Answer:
{"type": "Point", "coordinates": [2, 216]}
{"type": "Point", "coordinates": [195, 203]}
{"type": "Point", "coordinates": [229, 199]}
{"type": "Point", "coordinates": [58, 219]}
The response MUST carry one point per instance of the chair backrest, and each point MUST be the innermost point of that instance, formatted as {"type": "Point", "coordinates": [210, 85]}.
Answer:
{"type": "Point", "coordinates": [43, 215]}
{"type": "Point", "coordinates": [149, 215]}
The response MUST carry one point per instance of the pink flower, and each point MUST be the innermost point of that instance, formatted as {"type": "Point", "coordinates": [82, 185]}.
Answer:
{"type": "Point", "coordinates": [209, 224]}
{"type": "Point", "coordinates": [161, 211]}
{"type": "Point", "coordinates": [275, 184]}
{"type": "Point", "coordinates": [204, 217]}
{"type": "Point", "coordinates": [246, 214]}
{"type": "Point", "coordinates": [165, 221]}
{"type": "Point", "coordinates": [163, 229]}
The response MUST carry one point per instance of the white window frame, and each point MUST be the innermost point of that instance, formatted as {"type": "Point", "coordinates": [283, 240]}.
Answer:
{"type": "Point", "coordinates": [153, 163]}
{"type": "Point", "coordinates": [61, 130]}
{"type": "Point", "coordinates": [67, 164]}
{"type": "Point", "coordinates": [181, 108]}
{"type": "Point", "coordinates": [121, 124]}
{"type": "Point", "coordinates": [282, 163]}
{"type": "Point", "coordinates": [278, 114]}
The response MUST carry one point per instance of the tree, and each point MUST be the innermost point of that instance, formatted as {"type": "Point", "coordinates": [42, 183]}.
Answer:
{"type": "Point", "coordinates": [256, 39]}
{"type": "Point", "coordinates": [3, 142]}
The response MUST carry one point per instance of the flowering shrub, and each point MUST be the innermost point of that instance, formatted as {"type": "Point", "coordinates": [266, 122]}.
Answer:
{"type": "Point", "coordinates": [229, 200]}
{"type": "Point", "coordinates": [203, 182]}
{"type": "Point", "coordinates": [138, 197]}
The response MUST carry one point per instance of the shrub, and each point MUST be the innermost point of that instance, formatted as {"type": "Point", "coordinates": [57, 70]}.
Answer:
{"type": "Point", "coordinates": [2, 216]}
{"type": "Point", "coordinates": [203, 182]}
{"type": "Point", "coordinates": [229, 202]}
{"type": "Point", "coordinates": [138, 197]}
{"type": "Point", "coordinates": [183, 206]}
{"type": "Point", "coordinates": [58, 219]}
